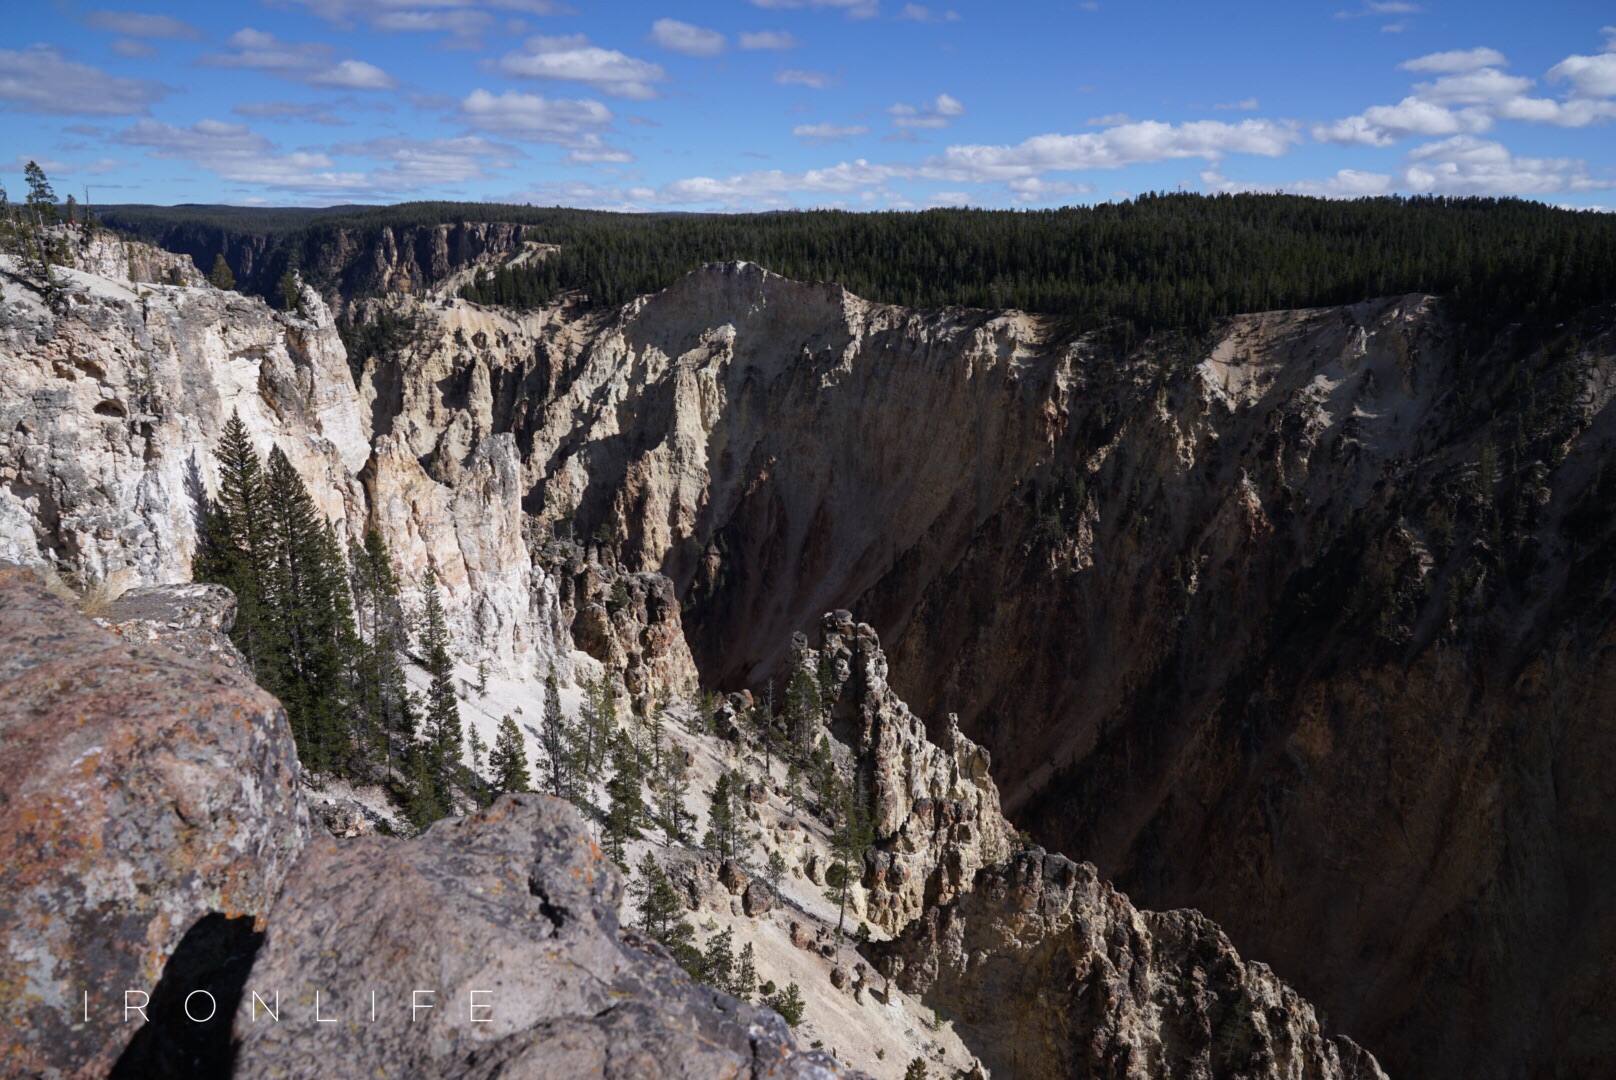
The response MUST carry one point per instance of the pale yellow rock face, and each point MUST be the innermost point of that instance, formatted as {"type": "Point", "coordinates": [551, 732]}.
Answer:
{"type": "Point", "coordinates": [110, 409]}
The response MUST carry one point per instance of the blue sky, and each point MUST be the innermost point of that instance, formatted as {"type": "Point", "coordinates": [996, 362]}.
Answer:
{"type": "Point", "coordinates": [749, 104]}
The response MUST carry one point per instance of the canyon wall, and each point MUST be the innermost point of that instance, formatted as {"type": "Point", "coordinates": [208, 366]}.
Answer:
{"type": "Point", "coordinates": [113, 402]}
{"type": "Point", "coordinates": [1303, 624]}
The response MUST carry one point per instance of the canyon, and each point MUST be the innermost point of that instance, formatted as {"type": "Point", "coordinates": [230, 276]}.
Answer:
{"type": "Point", "coordinates": [1303, 624]}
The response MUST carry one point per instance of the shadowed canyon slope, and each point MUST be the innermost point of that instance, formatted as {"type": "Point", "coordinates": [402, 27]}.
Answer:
{"type": "Point", "coordinates": [1303, 624]}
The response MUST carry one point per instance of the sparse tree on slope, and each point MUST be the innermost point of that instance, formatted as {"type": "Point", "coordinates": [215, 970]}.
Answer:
{"type": "Point", "coordinates": [509, 758]}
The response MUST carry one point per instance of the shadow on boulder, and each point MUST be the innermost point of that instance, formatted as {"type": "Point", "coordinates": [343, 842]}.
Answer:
{"type": "Point", "coordinates": [194, 1003]}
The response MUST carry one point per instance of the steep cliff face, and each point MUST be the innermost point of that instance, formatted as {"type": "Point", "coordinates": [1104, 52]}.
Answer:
{"type": "Point", "coordinates": [1302, 624]}
{"type": "Point", "coordinates": [112, 405]}
{"type": "Point", "coordinates": [1051, 973]}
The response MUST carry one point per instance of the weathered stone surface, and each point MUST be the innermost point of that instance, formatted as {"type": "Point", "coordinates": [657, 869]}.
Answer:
{"type": "Point", "coordinates": [1049, 973]}
{"type": "Point", "coordinates": [194, 620]}
{"type": "Point", "coordinates": [757, 898]}
{"type": "Point", "coordinates": [112, 406]}
{"type": "Point", "coordinates": [515, 900]}
{"type": "Point", "coordinates": [141, 794]}
{"type": "Point", "coordinates": [629, 622]}
{"type": "Point", "coordinates": [935, 809]}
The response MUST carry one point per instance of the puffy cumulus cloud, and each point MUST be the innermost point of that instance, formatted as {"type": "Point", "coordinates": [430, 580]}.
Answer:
{"type": "Point", "coordinates": [823, 133]}
{"type": "Point", "coordinates": [573, 59]}
{"type": "Point", "coordinates": [1589, 76]}
{"type": "Point", "coordinates": [1455, 60]}
{"type": "Point", "coordinates": [133, 24]}
{"type": "Point", "coordinates": [813, 80]}
{"type": "Point", "coordinates": [938, 114]}
{"type": "Point", "coordinates": [1459, 165]}
{"type": "Point", "coordinates": [857, 9]}
{"type": "Point", "coordinates": [1382, 125]}
{"type": "Point", "coordinates": [921, 13]}
{"type": "Point", "coordinates": [305, 62]}
{"type": "Point", "coordinates": [681, 37]}
{"type": "Point", "coordinates": [1128, 144]}
{"type": "Point", "coordinates": [573, 123]}
{"type": "Point", "coordinates": [768, 39]}
{"type": "Point", "coordinates": [1465, 165]}
{"type": "Point", "coordinates": [1472, 91]}
{"type": "Point", "coordinates": [40, 79]}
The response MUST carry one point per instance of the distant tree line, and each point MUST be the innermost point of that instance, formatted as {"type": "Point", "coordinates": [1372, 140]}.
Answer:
{"type": "Point", "coordinates": [1159, 262]}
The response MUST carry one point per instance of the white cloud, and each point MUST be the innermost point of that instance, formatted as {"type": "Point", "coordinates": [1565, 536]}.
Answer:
{"type": "Point", "coordinates": [136, 25]}
{"type": "Point", "coordinates": [236, 153]}
{"type": "Point", "coordinates": [681, 37]}
{"type": "Point", "coordinates": [1465, 165]}
{"type": "Point", "coordinates": [1243, 105]}
{"type": "Point", "coordinates": [305, 62]}
{"type": "Point", "coordinates": [403, 14]}
{"type": "Point", "coordinates": [822, 133]}
{"type": "Point", "coordinates": [1382, 125]}
{"type": "Point", "coordinates": [938, 114]}
{"type": "Point", "coordinates": [768, 39]}
{"type": "Point", "coordinates": [1108, 120]}
{"type": "Point", "coordinates": [1456, 60]}
{"type": "Point", "coordinates": [1129, 144]}
{"type": "Point", "coordinates": [857, 9]}
{"type": "Point", "coordinates": [1033, 190]}
{"type": "Point", "coordinates": [575, 124]}
{"type": "Point", "coordinates": [573, 59]}
{"type": "Point", "coordinates": [921, 13]}
{"type": "Point", "coordinates": [1472, 92]}
{"type": "Point", "coordinates": [1589, 76]}
{"type": "Point", "coordinates": [814, 80]}
{"type": "Point", "coordinates": [40, 79]}
{"type": "Point", "coordinates": [54, 168]}
{"type": "Point", "coordinates": [416, 163]}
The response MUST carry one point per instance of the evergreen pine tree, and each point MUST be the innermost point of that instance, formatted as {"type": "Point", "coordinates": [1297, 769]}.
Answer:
{"type": "Point", "coordinates": [673, 791]}
{"type": "Point", "coordinates": [725, 828]}
{"type": "Point", "coordinates": [718, 962]}
{"type": "Point", "coordinates": [916, 1069]}
{"type": "Point", "coordinates": [801, 709]}
{"type": "Point", "coordinates": [509, 758]}
{"type": "Point", "coordinates": [556, 739]}
{"type": "Point", "coordinates": [626, 806]}
{"type": "Point", "coordinates": [385, 712]}
{"type": "Point", "coordinates": [744, 985]}
{"type": "Point", "coordinates": [309, 607]}
{"type": "Point", "coordinates": [854, 834]}
{"type": "Point", "coordinates": [443, 729]}
{"type": "Point", "coordinates": [234, 547]}
{"type": "Point", "coordinates": [220, 276]}
{"type": "Point", "coordinates": [662, 914]}
{"type": "Point", "coordinates": [788, 1003]}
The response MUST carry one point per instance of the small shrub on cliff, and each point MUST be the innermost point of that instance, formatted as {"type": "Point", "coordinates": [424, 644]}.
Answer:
{"type": "Point", "coordinates": [788, 1003]}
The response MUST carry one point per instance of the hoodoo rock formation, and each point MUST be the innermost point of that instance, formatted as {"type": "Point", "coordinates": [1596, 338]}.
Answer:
{"type": "Point", "coordinates": [1052, 974]}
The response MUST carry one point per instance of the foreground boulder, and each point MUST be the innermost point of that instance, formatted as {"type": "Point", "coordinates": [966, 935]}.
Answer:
{"type": "Point", "coordinates": [488, 946]}
{"type": "Point", "coordinates": [145, 799]}
{"type": "Point", "coordinates": [1048, 973]}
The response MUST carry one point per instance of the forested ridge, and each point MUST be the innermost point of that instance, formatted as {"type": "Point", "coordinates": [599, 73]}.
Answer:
{"type": "Point", "coordinates": [1170, 261]}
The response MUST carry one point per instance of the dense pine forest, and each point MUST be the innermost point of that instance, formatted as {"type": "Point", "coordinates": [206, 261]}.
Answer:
{"type": "Point", "coordinates": [1171, 261]}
